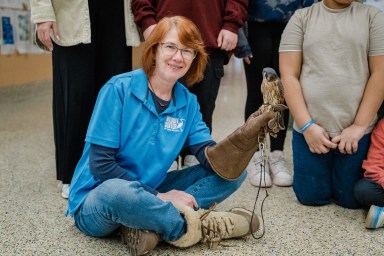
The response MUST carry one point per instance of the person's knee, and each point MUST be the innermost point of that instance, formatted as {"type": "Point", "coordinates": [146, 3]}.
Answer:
{"type": "Point", "coordinates": [243, 176]}
{"type": "Point", "coordinates": [236, 184]}
{"type": "Point", "coordinates": [241, 179]}
{"type": "Point", "coordinates": [115, 191]}
{"type": "Point", "coordinates": [363, 193]}
{"type": "Point", "coordinates": [348, 201]}
{"type": "Point", "coordinates": [312, 200]}
{"type": "Point", "coordinates": [312, 197]}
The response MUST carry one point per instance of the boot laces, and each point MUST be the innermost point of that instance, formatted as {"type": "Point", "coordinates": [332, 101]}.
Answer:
{"type": "Point", "coordinates": [214, 229]}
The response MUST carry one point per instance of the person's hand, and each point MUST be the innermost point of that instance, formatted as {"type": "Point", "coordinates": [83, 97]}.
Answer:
{"type": "Point", "coordinates": [227, 40]}
{"type": "Point", "coordinates": [44, 33]}
{"type": "Point", "coordinates": [349, 138]}
{"type": "Point", "coordinates": [253, 127]}
{"type": "Point", "coordinates": [247, 59]}
{"type": "Point", "coordinates": [177, 196]}
{"type": "Point", "coordinates": [318, 140]}
{"type": "Point", "coordinates": [148, 31]}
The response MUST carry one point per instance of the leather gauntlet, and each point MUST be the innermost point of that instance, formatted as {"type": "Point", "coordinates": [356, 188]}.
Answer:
{"type": "Point", "coordinates": [230, 157]}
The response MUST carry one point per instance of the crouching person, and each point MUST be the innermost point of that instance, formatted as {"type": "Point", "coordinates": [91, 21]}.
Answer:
{"type": "Point", "coordinates": [369, 191]}
{"type": "Point", "coordinates": [140, 122]}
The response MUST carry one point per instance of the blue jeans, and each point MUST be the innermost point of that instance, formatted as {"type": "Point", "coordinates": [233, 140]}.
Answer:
{"type": "Point", "coordinates": [118, 202]}
{"type": "Point", "coordinates": [320, 178]}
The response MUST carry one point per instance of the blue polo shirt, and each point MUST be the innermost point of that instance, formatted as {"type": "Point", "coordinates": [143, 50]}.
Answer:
{"type": "Point", "coordinates": [125, 118]}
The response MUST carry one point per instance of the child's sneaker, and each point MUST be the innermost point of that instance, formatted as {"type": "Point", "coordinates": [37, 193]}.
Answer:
{"type": "Point", "coordinates": [375, 217]}
{"type": "Point", "coordinates": [257, 175]}
{"type": "Point", "coordinates": [280, 174]}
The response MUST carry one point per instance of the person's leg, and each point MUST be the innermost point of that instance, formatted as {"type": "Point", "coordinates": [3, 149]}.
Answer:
{"type": "Point", "coordinates": [118, 202]}
{"type": "Point", "coordinates": [207, 90]}
{"type": "Point", "coordinates": [261, 43]}
{"type": "Point", "coordinates": [312, 173]}
{"type": "Point", "coordinates": [346, 172]}
{"type": "Point", "coordinates": [206, 186]}
{"type": "Point", "coordinates": [369, 192]}
{"type": "Point", "coordinates": [72, 104]}
{"type": "Point", "coordinates": [113, 55]}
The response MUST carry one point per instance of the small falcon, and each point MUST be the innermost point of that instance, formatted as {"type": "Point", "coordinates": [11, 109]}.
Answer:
{"type": "Point", "coordinates": [273, 100]}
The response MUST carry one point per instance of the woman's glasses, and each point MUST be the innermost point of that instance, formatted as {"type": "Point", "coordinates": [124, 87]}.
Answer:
{"type": "Point", "coordinates": [171, 49]}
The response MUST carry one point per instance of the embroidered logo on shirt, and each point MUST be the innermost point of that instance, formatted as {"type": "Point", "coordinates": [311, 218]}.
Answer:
{"type": "Point", "coordinates": [174, 124]}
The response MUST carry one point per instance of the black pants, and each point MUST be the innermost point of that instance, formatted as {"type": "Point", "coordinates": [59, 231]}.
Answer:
{"type": "Point", "coordinates": [207, 90]}
{"type": "Point", "coordinates": [78, 74]}
{"type": "Point", "coordinates": [369, 192]}
{"type": "Point", "coordinates": [264, 39]}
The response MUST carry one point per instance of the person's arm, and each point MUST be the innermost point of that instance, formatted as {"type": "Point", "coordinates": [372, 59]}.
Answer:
{"type": "Point", "coordinates": [374, 164]}
{"type": "Point", "coordinates": [290, 68]}
{"type": "Point", "coordinates": [144, 12]}
{"type": "Point", "coordinates": [43, 15]}
{"type": "Point", "coordinates": [243, 49]}
{"type": "Point", "coordinates": [199, 149]}
{"type": "Point", "coordinates": [370, 104]}
{"type": "Point", "coordinates": [103, 165]}
{"type": "Point", "coordinates": [236, 13]}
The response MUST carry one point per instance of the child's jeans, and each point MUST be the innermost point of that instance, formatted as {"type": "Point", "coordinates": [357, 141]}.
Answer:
{"type": "Point", "coordinates": [320, 179]}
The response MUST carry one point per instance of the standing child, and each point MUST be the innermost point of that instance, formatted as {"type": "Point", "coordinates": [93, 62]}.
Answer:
{"type": "Point", "coordinates": [369, 191]}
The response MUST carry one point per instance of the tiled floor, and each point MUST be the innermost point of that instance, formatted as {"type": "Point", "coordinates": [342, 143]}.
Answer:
{"type": "Point", "coordinates": [32, 220]}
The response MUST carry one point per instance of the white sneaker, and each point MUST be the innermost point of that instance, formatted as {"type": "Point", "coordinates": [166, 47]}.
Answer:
{"type": "Point", "coordinates": [65, 191]}
{"type": "Point", "coordinates": [59, 186]}
{"type": "Point", "coordinates": [174, 166]}
{"type": "Point", "coordinates": [190, 160]}
{"type": "Point", "coordinates": [279, 171]}
{"type": "Point", "coordinates": [257, 176]}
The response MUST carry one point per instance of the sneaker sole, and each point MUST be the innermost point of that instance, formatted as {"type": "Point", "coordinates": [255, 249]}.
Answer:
{"type": "Point", "coordinates": [282, 183]}
{"type": "Point", "coordinates": [64, 195]}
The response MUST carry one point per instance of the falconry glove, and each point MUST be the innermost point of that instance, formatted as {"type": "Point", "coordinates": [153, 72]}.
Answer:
{"type": "Point", "coordinates": [229, 157]}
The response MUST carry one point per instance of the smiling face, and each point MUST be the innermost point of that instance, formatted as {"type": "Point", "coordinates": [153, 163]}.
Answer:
{"type": "Point", "coordinates": [171, 67]}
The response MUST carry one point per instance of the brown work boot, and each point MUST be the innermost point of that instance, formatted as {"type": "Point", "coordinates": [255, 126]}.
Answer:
{"type": "Point", "coordinates": [235, 223]}
{"type": "Point", "coordinates": [139, 241]}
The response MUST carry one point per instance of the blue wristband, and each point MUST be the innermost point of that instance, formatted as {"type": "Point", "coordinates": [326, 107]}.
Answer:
{"type": "Point", "coordinates": [305, 127]}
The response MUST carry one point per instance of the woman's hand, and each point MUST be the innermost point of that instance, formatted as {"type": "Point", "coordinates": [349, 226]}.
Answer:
{"type": "Point", "coordinates": [318, 140]}
{"type": "Point", "coordinates": [44, 33]}
{"type": "Point", "coordinates": [177, 196]}
{"type": "Point", "coordinates": [349, 138]}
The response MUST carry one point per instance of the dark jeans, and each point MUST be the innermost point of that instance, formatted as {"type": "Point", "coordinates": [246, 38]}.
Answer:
{"type": "Point", "coordinates": [320, 179]}
{"type": "Point", "coordinates": [264, 39]}
{"type": "Point", "coordinates": [369, 192]}
{"type": "Point", "coordinates": [78, 74]}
